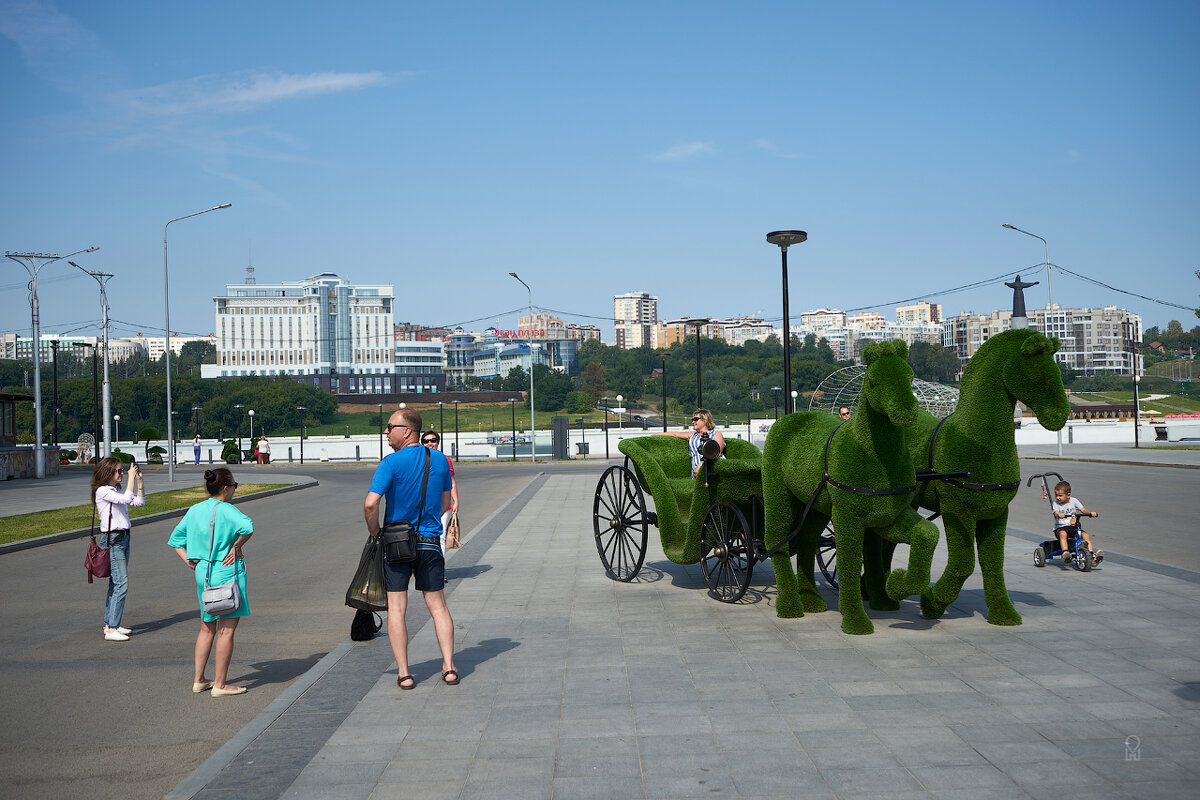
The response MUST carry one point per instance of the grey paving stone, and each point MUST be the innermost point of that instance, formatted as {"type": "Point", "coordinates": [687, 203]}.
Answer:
{"type": "Point", "coordinates": [337, 774]}
{"type": "Point", "coordinates": [982, 778]}
{"type": "Point", "coordinates": [865, 782]}
{"type": "Point", "coordinates": [701, 784]}
{"type": "Point", "coordinates": [615, 787]}
{"type": "Point", "coordinates": [345, 791]}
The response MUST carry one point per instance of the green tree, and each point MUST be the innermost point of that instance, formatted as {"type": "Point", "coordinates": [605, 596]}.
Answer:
{"type": "Point", "coordinates": [595, 381]}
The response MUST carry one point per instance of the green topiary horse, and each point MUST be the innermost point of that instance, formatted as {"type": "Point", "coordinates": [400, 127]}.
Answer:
{"type": "Point", "coordinates": [978, 436]}
{"type": "Point", "coordinates": [859, 474]}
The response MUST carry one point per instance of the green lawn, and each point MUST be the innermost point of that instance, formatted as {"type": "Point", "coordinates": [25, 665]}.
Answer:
{"type": "Point", "coordinates": [43, 523]}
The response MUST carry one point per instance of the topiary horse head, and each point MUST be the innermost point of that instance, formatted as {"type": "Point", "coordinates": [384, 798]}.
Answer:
{"type": "Point", "coordinates": [858, 474]}
{"type": "Point", "coordinates": [978, 436]}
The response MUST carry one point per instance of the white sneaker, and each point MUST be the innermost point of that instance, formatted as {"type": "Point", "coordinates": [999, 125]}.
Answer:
{"type": "Point", "coordinates": [125, 631]}
{"type": "Point", "coordinates": [115, 636]}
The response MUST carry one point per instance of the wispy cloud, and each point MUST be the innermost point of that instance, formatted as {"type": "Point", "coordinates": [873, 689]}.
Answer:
{"type": "Point", "coordinates": [685, 151]}
{"type": "Point", "coordinates": [240, 92]}
{"type": "Point", "coordinates": [771, 147]}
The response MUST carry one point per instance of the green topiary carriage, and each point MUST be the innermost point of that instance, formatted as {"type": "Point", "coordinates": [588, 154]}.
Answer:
{"type": "Point", "coordinates": [710, 519]}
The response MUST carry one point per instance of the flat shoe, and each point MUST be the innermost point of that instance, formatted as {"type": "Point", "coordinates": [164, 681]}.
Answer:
{"type": "Point", "coordinates": [446, 678]}
{"type": "Point", "coordinates": [400, 682]}
{"type": "Point", "coordinates": [125, 631]}
{"type": "Point", "coordinates": [197, 688]}
{"type": "Point", "coordinates": [228, 692]}
{"type": "Point", "coordinates": [113, 636]}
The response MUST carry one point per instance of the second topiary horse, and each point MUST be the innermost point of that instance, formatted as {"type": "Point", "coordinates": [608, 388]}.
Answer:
{"type": "Point", "coordinates": [979, 436]}
{"type": "Point", "coordinates": [859, 474]}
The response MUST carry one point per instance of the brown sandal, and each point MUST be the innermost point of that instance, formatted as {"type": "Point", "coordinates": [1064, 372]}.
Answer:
{"type": "Point", "coordinates": [447, 673]}
{"type": "Point", "coordinates": [400, 682]}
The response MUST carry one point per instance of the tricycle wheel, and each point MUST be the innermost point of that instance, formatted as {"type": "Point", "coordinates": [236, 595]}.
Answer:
{"type": "Point", "coordinates": [620, 522]}
{"type": "Point", "coordinates": [1039, 557]}
{"type": "Point", "coordinates": [726, 557]}
{"type": "Point", "coordinates": [1083, 558]}
{"type": "Point", "coordinates": [827, 555]}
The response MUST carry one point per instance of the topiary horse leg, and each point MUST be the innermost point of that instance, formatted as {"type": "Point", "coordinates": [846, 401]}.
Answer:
{"type": "Point", "coordinates": [921, 535]}
{"type": "Point", "coordinates": [806, 562]}
{"type": "Point", "coordinates": [990, 536]}
{"type": "Point", "coordinates": [777, 521]}
{"type": "Point", "coordinates": [960, 563]}
{"type": "Point", "coordinates": [848, 533]}
{"type": "Point", "coordinates": [877, 556]}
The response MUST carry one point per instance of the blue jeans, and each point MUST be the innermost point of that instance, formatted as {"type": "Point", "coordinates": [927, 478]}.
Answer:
{"type": "Point", "coordinates": [197, 449]}
{"type": "Point", "coordinates": [118, 580]}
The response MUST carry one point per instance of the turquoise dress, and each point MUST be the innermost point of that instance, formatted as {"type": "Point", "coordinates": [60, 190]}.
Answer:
{"type": "Point", "coordinates": [192, 533]}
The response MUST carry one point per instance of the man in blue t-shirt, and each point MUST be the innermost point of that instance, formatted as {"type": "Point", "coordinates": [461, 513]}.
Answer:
{"type": "Point", "coordinates": [398, 478]}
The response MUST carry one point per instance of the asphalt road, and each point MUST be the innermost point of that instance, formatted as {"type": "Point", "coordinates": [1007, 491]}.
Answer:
{"type": "Point", "coordinates": [82, 716]}
{"type": "Point", "coordinates": [86, 717]}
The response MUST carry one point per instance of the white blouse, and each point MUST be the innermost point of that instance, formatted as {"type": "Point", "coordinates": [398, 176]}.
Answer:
{"type": "Point", "coordinates": [113, 504]}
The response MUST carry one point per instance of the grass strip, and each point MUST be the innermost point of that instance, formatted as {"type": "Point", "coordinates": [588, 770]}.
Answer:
{"type": "Point", "coordinates": [43, 523]}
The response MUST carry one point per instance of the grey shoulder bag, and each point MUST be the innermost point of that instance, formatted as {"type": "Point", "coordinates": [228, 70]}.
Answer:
{"type": "Point", "coordinates": [219, 601]}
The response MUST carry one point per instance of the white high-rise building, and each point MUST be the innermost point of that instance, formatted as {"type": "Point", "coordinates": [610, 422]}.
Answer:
{"type": "Point", "coordinates": [634, 316]}
{"type": "Point", "coordinates": [323, 330]}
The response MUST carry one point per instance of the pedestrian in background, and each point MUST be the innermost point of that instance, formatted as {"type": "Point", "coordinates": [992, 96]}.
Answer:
{"type": "Point", "coordinates": [112, 509]}
{"type": "Point", "coordinates": [431, 440]}
{"type": "Point", "coordinates": [210, 536]}
{"type": "Point", "coordinates": [196, 447]}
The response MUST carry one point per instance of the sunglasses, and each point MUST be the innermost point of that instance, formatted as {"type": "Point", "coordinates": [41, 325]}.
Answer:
{"type": "Point", "coordinates": [429, 441]}
{"type": "Point", "coordinates": [697, 419]}
{"type": "Point", "coordinates": [389, 427]}
{"type": "Point", "coordinates": [234, 484]}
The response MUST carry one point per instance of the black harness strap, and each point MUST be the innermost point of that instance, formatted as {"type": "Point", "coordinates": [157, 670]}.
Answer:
{"type": "Point", "coordinates": [983, 487]}
{"type": "Point", "coordinates": [825, 478]}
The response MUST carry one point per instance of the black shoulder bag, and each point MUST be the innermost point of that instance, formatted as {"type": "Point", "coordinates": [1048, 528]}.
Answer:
{"type": "Point", "coordinates": [400, 538]}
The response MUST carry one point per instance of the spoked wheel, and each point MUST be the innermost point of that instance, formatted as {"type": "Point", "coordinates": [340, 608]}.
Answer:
{"type": "Point", "coordinates": [827, 555]}
{"type": "Point", "coordinates": [726, 557]}
{"type": "Point", "coordinates": [621, 523]}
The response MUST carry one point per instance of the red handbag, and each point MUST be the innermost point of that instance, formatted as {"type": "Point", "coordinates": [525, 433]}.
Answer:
{"type": "Point", "coordinates": [96, 562]}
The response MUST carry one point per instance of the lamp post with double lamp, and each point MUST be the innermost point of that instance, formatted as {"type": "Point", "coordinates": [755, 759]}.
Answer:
{"type": "Point", "coordinates": [775, 392]}
{"type": "Point", "coordinates": [380, 430]}
{"type": "Point", "coordinates": [302, 409]}
{"type": "Point", "coordinates": [33, 264]}
{"type": "Point", "coordinates": [95, 394]}
{"type": "Point", "coordinates": [532, 419]}
{"type": "Point", "coordinates": [784, 240]}
{"type": "Point", "coordinates": [456, 402]}
{"type": "Point", "coordinates": [698, 323]}
{"type": "Point", "coordinates": [513, 401]}
{"type": "Point", "coordinates": [167, 326]}
{"type": "Point", "coordinates": [196, 419]}
{"type": "Point", "coordinates": [1050, 295]}
{"type": "Point", "coordinates": [664, 357]}
{"type": "Point", "coordinates": [106, 394]}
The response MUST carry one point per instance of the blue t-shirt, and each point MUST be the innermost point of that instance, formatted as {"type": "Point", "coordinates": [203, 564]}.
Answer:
{"type": "Point", "coordinates": [398, 480]}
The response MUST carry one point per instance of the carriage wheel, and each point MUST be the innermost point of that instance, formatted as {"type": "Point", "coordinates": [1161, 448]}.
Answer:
{"type": "Point", "coordinates": [620, 522]}
{"type": "Point", "coordinates": [726, 557]}
{"type": "Point", "coordinates": [827, 555]}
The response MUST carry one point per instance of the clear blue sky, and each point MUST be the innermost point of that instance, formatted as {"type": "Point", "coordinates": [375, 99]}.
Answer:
{"type": "Point", "coordinates": [600, 148]}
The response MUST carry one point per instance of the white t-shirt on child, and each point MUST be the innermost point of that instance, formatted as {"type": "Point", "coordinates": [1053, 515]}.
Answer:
{"type": "Point", "coordinates": [1070, 508]}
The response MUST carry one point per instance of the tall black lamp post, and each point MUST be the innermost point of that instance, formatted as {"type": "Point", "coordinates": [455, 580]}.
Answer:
{"type": "Point", "coordinates": [441, 420]}
{"type": "Point", "coordinates": [1136, 405]}
{"type": "Point", "coordinates": [56, 409]}
{"type": "Point", "coordinates": [785, 239]}
{"type": "Point", "coordinates": [95, 394]}
{"type": "Point", "coordinates": [513, 401]}
{"type": "Point", "coordinates": [605, 399]}
{"type": "Point", "coordinates": [664, 357]}
{"type": "Point", "coordinates": [456, 402]}
{"type": "Point", "coordinates": [301, 409]}
{"type": "Point", "coordinates": [380, 430]}
{"type": "Point", "coordinates": [775, 391]}
{"type": "Point", "coordinates": [239, 433]}
{"type": "Point", "coordinates": [698, 324]}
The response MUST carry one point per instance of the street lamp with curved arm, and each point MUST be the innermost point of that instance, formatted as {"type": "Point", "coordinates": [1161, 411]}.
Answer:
{"type": "Point", "coordinates": [30, 261]}
{"type": "Point", "coordinates": [167, 321]}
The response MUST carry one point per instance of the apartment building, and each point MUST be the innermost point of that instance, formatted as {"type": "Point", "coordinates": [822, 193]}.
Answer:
{"type": "Point", "coordinates": [634, 317]}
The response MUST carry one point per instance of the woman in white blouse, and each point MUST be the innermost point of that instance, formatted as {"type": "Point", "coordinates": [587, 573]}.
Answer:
{"type": "Point", "coordinates": [112, 510]}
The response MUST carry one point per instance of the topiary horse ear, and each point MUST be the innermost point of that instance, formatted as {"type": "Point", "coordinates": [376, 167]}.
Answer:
{"type": "Point", "coordinates": [871, 352]}
{"type": "Point", "coordinates": [1038, 344]}
{"type": "Point", "coordinates": [900, 348]}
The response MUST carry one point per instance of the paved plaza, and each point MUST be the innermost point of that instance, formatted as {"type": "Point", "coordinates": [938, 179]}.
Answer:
{"type": "Point", "coordinates": [577, 686]}
{"type": "Point", "coordinates": [574, 686]}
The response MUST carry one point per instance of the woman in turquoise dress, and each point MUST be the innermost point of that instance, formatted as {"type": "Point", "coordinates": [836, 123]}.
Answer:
{"type": "Point", "coordinates": [229, 530]}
